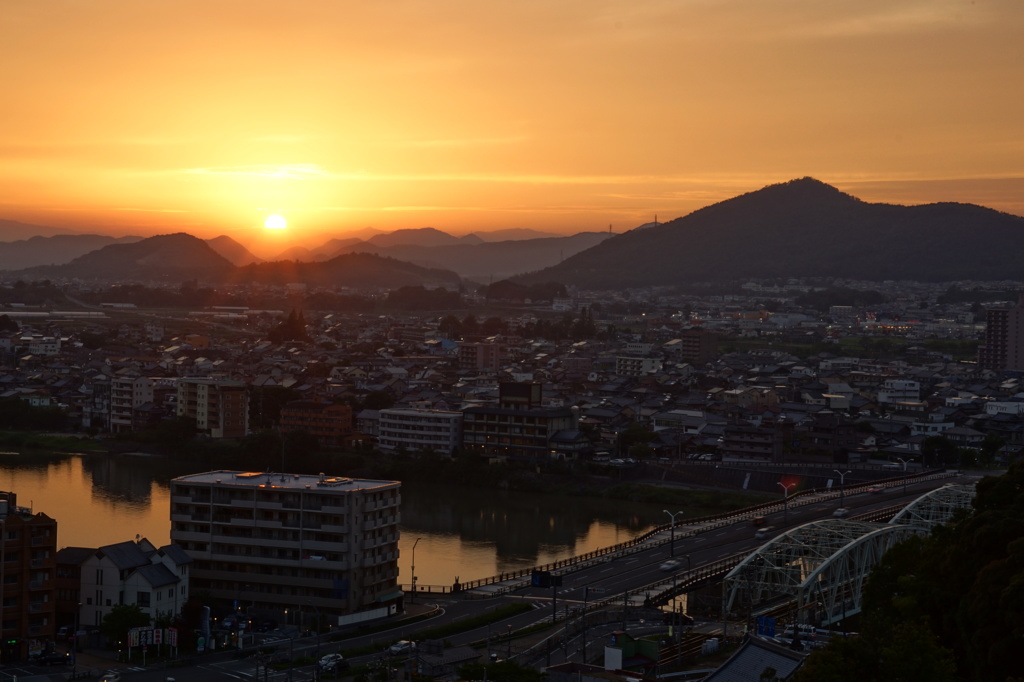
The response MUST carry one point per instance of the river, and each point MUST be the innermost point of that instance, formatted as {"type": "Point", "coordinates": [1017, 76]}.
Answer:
{"type": "Point", "coordinates": [462, 532]}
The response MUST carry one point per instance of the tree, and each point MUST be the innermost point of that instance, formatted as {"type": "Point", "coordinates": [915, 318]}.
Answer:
{"type": "Point", "coordinates": [121, 619]}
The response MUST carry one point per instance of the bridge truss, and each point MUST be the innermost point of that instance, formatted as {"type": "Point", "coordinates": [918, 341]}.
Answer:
{"type": "Point", "coordinates": [822, 566]}
{"type": "Point", "coordinates": [937, 507]}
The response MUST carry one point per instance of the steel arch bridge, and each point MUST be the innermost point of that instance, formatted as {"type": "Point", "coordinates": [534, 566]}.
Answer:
{"type": "Point", "coordinates": [822, 566]}
{"type": "Point", "coordinates": [935, 508]}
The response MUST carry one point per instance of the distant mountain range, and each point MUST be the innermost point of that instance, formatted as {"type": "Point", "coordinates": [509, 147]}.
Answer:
{"type": "Point", "coordinates": [179, 257]}
{"type": "Point", "coordinates": [804, 228]}
{"type": "Point", "coordinates": [53, 250]}
{"type": "Point", "coordinates": [40, 245]}
{"type": "Point", "coordinates": [801, 228]}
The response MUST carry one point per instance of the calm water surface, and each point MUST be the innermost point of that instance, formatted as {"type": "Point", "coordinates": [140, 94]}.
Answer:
{"type": "Point", "coordinates": [463, 533]}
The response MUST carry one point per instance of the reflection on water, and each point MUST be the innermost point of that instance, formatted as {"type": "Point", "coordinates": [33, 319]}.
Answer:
{"type": "Point", "coordinates": [463, 533]}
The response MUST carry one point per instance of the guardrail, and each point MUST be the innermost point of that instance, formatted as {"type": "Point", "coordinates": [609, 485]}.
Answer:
{"type": "Point", "coordinates": [513, 580]}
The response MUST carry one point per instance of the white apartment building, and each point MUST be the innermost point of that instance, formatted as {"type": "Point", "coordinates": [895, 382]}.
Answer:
{"type": "Point", "coordinates": [630, 366]}
{"type": "Point", "coordinates": [274, 542]}
{"type": "Point", "coordinates": [415, 430]}
{"type": "Point", "coordinates": [134, 572]}
{"type": "Point", "coordinates": [899, 391]}
{"type": "Point", "coordinates": [126, 394]}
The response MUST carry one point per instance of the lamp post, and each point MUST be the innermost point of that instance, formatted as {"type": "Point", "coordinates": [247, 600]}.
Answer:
{"type": "Point", "coordinates": [508, 653]}
{"type": "Point", "coordinates": [904, 463]}
{"type": "Point", "coordinates": [785, 500]}
{"type": "Point", "coordinates": [672, 536]}
{"type": "Point", "coordinates": [413, 599]}
{"type": "Point", "coordinates": [842, 486]}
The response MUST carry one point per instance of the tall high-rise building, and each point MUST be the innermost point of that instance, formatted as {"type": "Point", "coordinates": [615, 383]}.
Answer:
{"type": "Point", "coordinates": [274, 542]}
{"type": "Point", "coordinates": [1003, 348]}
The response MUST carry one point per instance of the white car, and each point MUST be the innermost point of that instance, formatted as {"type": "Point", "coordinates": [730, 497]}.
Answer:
{"type": "Point", "coordinates": [111, 676]}
{"type": "Point", "coordinates": [331, 661]}
{"type": "Point", "coordinates": [670, 565]}
{"type": "Point", "coordinates": [400, 647]}
{"type": "Point", "coordinates": [841, 513]}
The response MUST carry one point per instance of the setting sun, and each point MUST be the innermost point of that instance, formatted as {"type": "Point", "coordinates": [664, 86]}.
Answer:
{"type": "Point", "coordinates": [275, 222]}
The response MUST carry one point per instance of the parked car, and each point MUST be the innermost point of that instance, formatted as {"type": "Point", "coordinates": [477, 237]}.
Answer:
{"type": "Point", "coordinates": [402, 646]}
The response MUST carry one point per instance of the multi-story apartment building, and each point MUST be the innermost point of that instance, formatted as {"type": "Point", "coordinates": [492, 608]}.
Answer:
{"type": "Point", "coordinates": [482, 357]}
{"type": "Point", "coordinates": [899, 391]}
{"type": "Point", "coordinates": [133, 572]}
{"type": "Point", "coordinates": [329, 423]}
{"type": "Point", "coordinates": [1003, 348]}
{"type": "Point", "coordinates": [517, 428]}
{"type": "Point", "coordinates": [698, 346]}
{"type": "Point", "coordinates": [419, 430]}
{"type": "Point", "coordinates": [634, 366]}
{"type": "Point", "coordinates": [219, 408]}
{"type": "Point", "coordinates": [126, 395]}
{"type": "Point", "coordinates": [275, 542]}
{"type": "Point", "coordinates": [28, 560]}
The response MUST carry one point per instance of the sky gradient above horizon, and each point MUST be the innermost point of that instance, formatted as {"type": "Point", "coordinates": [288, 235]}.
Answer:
{"type": "Point", "coordinates": [556, 115]}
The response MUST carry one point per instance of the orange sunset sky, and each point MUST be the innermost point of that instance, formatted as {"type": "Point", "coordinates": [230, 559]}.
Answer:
{"type": "Point", "coordinates": [206, 116]}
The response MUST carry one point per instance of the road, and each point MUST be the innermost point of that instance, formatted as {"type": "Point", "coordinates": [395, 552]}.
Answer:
{"type": "Point", "coordinates": [617, 579]}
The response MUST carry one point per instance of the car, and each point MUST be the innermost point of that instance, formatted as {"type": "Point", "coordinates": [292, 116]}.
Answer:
{"type": "Point", "coordinates": [402, 646]}
{"type": "Point", "coordinates": [670, 565]}
{"type": "Point", "coordinates": [332, 662]}
{"type": "Point", "coordinates": [111, 676]}
{"type": "Point", "coordinates": [841, 513]}
{"type": "Point", "coordinates": [876, 491]}
{"type": "Point", "coordinates": [54, 659]}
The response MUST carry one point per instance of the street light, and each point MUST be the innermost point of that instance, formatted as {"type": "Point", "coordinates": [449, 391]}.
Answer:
{"type": "Point", "coordinates": [842, 486]}
{"type": "Point", "coordinates": [904, 462]}
{"type": "Point", "coordinates": [413, 599]}
{"type": "Point", "coordinates": [785, 500]}
{"type": "Point", "coordinates": [508, 654]}
{"type": "Point", "coordinates": [672, 540]}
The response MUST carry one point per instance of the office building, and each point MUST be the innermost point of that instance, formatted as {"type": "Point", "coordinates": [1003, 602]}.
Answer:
{"type": "Point", "coordinates": [275, 543]}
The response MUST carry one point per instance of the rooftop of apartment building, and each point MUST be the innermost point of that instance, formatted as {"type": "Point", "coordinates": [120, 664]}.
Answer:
{"type": "Point", "coordinates": [271, 480]}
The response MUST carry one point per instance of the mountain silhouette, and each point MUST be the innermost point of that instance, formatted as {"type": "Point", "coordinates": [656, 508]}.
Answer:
{"type": "Point", "coordinates": [232, 250]}
{"type": "Point", "coordinates": [358, 270]}
{"type": "Point", "coordinates": [169, 257]}
{"type": "Point", "coordinates": [804, 228]}
{"type": "Point", "coordinates": [53, 250]}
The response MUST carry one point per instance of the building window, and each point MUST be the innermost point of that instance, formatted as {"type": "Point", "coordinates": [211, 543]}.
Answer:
{"type": "Point", "coordinates": [142, 599]}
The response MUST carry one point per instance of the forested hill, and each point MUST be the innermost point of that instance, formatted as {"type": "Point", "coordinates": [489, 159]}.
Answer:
{"type": "Point", "coordinates": [804, 228]}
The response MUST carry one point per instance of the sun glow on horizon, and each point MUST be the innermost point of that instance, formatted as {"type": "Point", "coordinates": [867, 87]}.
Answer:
{"type": "Point", "coordinates": [275, 222]}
